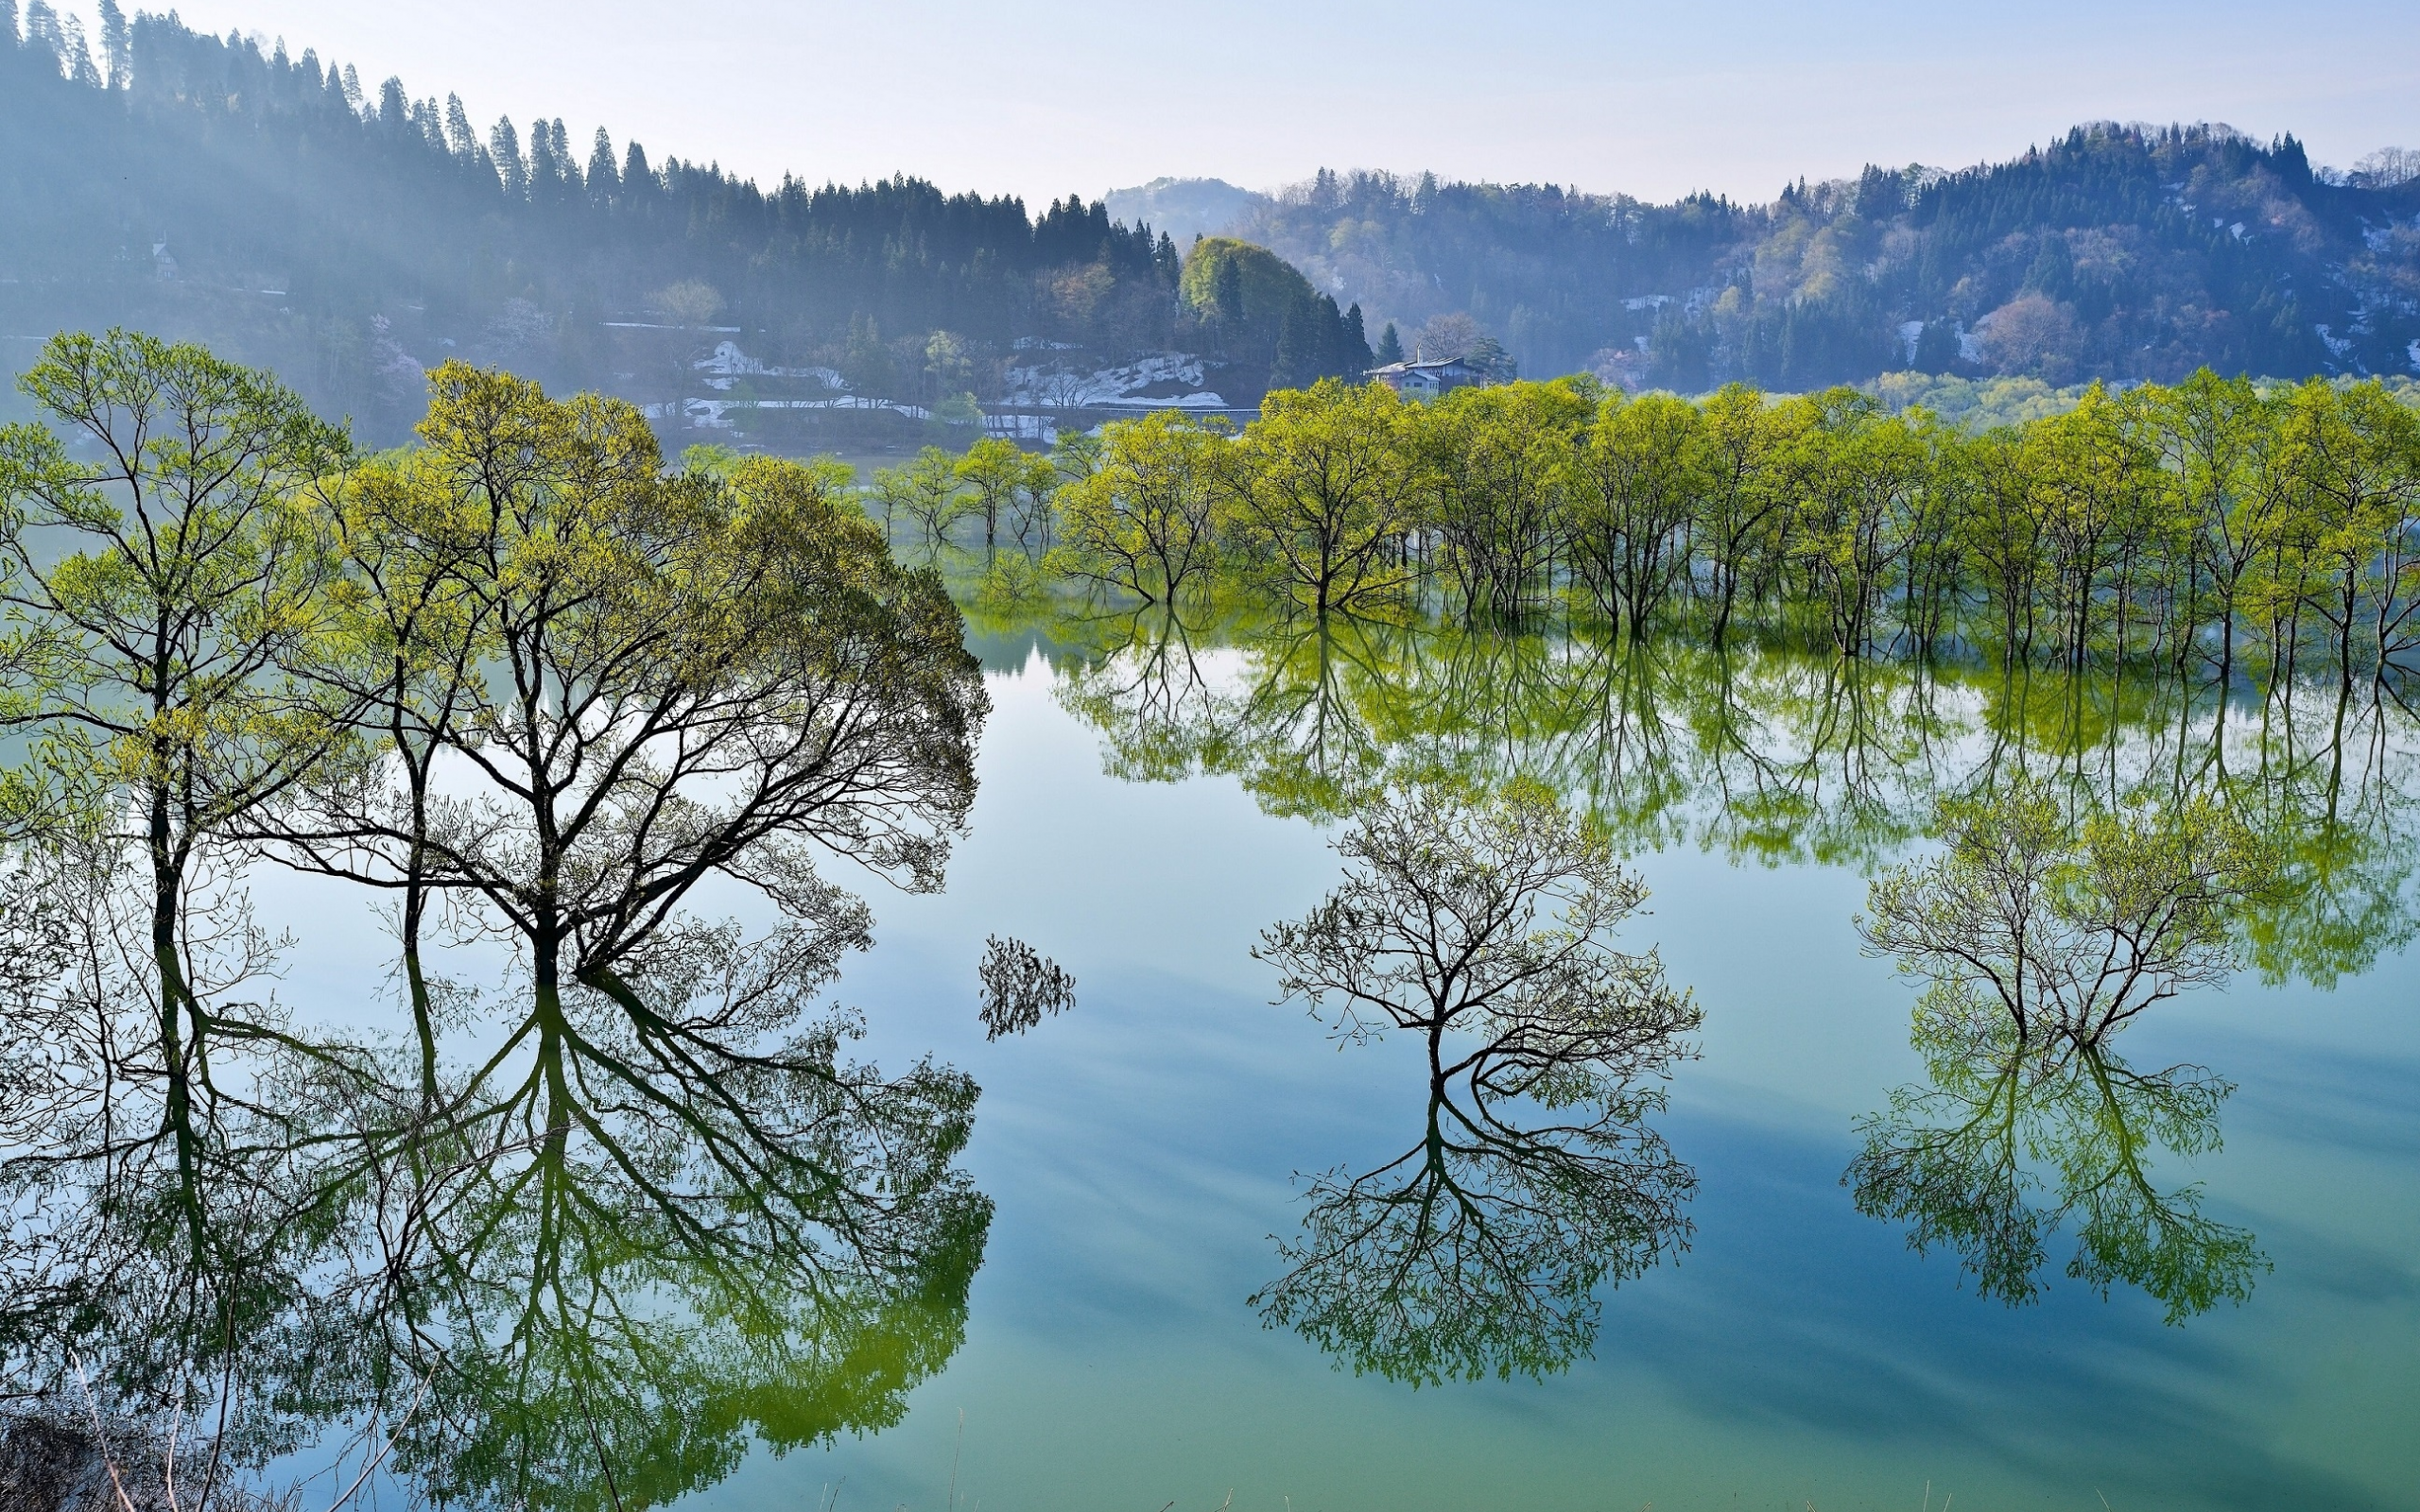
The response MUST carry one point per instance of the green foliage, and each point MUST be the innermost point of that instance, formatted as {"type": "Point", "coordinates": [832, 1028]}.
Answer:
{"type": "Point", "coordinates": [2208, 525]}
{"type": "Point", "coordinates": [1974, 405]}
{"type": "Point", "coordinates": [577, 1238]}
{"type": "Point", "coordinates": [1322, 492]}
{"type": "Point", "coordinates": [2001, 1150]}
{"type": "Point", "coordinates": [164, 582]}
{"type": "Point", "coordinates": [2068, 926]}
{"type": "Point", "coordinates": [1144, 519]}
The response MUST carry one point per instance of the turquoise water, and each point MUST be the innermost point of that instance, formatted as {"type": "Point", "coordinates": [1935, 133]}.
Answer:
{"type": "Point", "coordinates": [1150, 802]}
{"type": "Point", "coordinates": [1145, 1153]}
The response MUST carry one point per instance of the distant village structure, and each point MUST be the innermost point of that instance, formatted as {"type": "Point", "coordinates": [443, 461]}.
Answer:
{"type": "Point", "coordinates": [1426, 380]}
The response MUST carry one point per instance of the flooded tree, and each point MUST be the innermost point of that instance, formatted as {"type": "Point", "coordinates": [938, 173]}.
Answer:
{"type": "Point", "coordinates": [1484, 928]}
{"type": "Point", "coordinates": [2041, 936]}
{"type": "Point", "coordinates": [582, 1235]}
{"type": "Point", "coordinates": [2067, 927]}
{"type": "Point", "coordinates": [1020, 987]}
{"type": "Point", "coordinates": [161, 578]}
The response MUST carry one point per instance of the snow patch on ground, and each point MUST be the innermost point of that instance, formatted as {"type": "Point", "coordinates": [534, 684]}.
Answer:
{"type": "Point", "coordinates": [1164, 379]}
{"type": "Point", "coordinates": [727, 362]}
{"type": "Point", "coordinates": [720, 414]}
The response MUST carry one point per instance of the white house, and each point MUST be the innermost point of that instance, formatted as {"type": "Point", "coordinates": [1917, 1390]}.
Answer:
{"type": "Point", "coordinates": [1426, 380]}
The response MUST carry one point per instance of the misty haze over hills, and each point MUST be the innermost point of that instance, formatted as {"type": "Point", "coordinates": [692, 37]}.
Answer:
{"type": "Point", "coordinates": [349, 235]}
{"type": "Point", "coordinates": [2116, 252]}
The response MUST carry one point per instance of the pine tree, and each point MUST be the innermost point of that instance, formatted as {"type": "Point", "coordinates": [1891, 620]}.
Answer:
{"type": "Point", "coordinates": [1353, 346]}
{"type": "Point", "coordinates": [1226, 295]}
{"type": "Point", "coordinates": [79, 56]}
{"type": "Point", "coordinates": [9, 23]}
{"type": "Point", "coordinates": [545, 174]}
{"type": "Point", "coordinates": [460, 140]}
{"type": "Point", "coordinates": [504, 143]}
{"type": "Point", "coordinates": [1390, 346]}
{"type": "Point", "coordinates": [1300, 345]}
{"type": "Point", "coordinates": [117, 42]}
{"type": "Point", "coordinates": [567, 166]}
{"type": "Point", "coordinates": [638, 180]}
{"type": "Point", "coordinates": [393, 113]}
{"type": "Point", "coordinates": [42, 32]}
{"type": "Point", "coordinates": [604, 184]}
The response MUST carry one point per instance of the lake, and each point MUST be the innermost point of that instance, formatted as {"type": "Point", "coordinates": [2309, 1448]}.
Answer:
{"type": "Point", "coordinates": [1145, 812]}
{"type": "Point", "coordinates": [2243, 1332]}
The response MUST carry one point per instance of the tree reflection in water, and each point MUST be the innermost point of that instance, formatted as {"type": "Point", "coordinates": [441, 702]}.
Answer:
{"type": "Point", "coordinates": [1778, 757]}
{"type": "Point", "coordinates": [2042, 933]}
{"type": "Point", "coordinates": [1484, 929]}
{"type": "Point", "coordinates": [592, 1275]}
{"type": "Point", "coordinates": [1772, 755]}
{"type": "Point", "coordinates": [2008, 1144]}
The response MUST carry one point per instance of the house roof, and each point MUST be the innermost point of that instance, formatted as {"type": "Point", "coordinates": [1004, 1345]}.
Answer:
{"type": "Point", "coordinates": [1450, 367]}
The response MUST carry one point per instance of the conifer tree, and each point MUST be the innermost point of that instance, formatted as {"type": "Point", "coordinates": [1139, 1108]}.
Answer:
{"type": "Point", "coordinates": [1300, 347]}
{"type": "Point", "coordinates": [1226, 292]}
{"type": "Point", "coordinates": [1390, 346]}
{"type": "Point", "coordinates": [117, 44]}
{"type": "Point", "coordinates": [604, 184]}
{"type": "Point", "coordinates": [1353, 346]}
{"type": "Point", "coordinates": [567, 166]}
{"type": "Point", "coordinates": [75, 55]}
{"type": "Point", "coordinates": [460, 140]}
{"type": "Point", "coordinates": [505, 144]}
{"type": "Point", "coordinates": [545, 170]}
{"type": "Point", "coordinates": [42, 31]}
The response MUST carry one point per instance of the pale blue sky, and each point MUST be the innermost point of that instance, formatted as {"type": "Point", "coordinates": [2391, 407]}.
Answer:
{"type": "Point", "coordinates": [1652, 100]}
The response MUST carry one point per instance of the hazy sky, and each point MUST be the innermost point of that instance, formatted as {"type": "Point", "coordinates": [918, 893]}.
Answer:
{"type": "Point", "coordinates": [1655, 99]}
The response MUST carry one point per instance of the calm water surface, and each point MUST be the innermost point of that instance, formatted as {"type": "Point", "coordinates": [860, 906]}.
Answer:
{"type": "Point", "coordinates": [1144, 1151]}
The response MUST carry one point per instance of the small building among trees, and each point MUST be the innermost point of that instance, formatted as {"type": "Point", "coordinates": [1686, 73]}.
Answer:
{"type": "Point", "coordinates": [1426, 380]}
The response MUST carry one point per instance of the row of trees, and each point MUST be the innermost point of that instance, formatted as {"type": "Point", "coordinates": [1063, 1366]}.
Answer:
{"type": "Point", "coordinates": [2190, 524]}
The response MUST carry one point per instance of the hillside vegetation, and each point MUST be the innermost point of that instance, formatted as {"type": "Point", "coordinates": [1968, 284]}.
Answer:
{"type": "Point", "coordinates": [352, 237]}
{"type": "Point", "coordinates": [2122, 252]}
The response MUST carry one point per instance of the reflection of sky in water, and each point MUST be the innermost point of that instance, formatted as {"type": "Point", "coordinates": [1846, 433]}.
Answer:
{"type": "Point", "coordinates": [1139, 1151]}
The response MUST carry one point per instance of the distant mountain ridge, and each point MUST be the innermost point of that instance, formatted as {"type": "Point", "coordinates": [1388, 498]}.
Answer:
{"type": "Point", "coordinates": [2114, 251]}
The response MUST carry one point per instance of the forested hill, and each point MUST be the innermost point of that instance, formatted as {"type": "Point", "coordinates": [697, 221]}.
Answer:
{"type": "Point", "coordinates": [348, 236]}
{"type": "Point", "coordinates": [2115, 251]}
